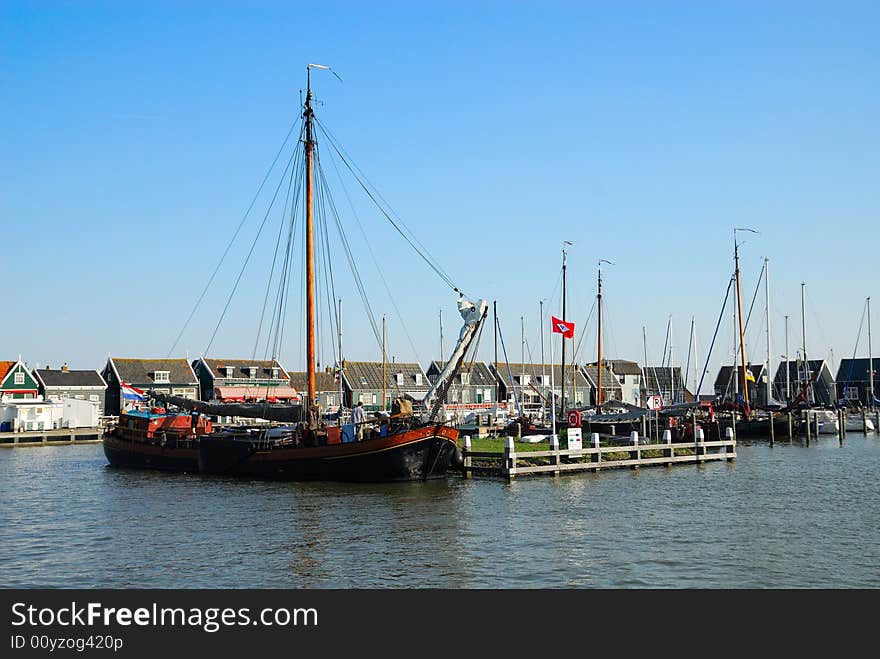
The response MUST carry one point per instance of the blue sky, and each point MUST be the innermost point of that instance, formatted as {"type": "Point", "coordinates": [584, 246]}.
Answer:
{"type": "Point", "coordinates": [135, 135]}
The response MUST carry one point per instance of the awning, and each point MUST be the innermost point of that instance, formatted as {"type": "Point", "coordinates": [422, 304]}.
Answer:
{"type": "Point", "coordinates": [271, 394]}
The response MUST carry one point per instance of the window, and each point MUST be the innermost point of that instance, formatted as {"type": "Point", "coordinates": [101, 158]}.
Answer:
{"type": "Point", "coordinates": [400, 379]}
{"type": "Point", "coordinates": [161, 376]}
{"type": "Point", "coordinates": [465, 378]}
{"type": "Point", "coordinates": [230, 371]}
{"type": "Point", "coordinates": [465, 396]}
{"type": "Point", "coordinates": [852, 393]}
{"type": "Point", "coordinates": [487, 395]}
{"type": "Point", "coordinates": [330, 400]}
{"type": "Point", "coordinates": [19, 377]}
{"type": "Point", "coordinates": [418, 378]}
{"type": "Point", "coordinates": [94, 397]}
{"type": "Point", "coordinates": [274, 373]}
{"type": "Point", "coordinates": [363, 381]}
{"type": "Point", "coordinates": [80, 397]}
{"type": "Point", "coordinates": [252, 372]}
{"type": "Point", "coordinates": [374, 399]}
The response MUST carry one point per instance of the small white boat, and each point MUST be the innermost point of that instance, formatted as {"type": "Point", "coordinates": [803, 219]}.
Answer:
{"type": "Point", "coordinates": [854, 423]}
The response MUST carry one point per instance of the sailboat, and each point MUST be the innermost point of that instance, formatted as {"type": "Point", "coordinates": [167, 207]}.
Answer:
{"type": "Point", "coordinates": [412, 443]}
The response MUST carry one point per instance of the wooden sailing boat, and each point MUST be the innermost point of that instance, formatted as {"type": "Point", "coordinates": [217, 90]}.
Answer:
{"type": "Point", "coordinates": [412, 444]}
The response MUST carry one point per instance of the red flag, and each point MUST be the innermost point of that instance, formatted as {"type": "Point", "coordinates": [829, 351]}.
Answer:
{"type": "Point", "coordinates": [562, 327]}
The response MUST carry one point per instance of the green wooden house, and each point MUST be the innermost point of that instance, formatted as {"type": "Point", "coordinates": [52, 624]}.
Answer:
{"type": "Point", "coordinates": [16, 382]}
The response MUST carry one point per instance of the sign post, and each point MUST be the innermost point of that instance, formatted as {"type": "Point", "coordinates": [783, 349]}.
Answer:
{"type": "Point", "coordinates": [574, 433]}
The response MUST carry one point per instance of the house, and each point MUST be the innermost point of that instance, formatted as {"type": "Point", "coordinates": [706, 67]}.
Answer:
{"type": "Point", "coordinates": [239, 380]}
{"type": "Point", "coordinates": [667, 382]}
{"type": "Point", "coordinates": [63, 383]}
{"type": "Point", "coordinates": [611, 389]}
{"type": "Point", "coordinates": [363, 382]}
{"type": "Point", "coordinates": [531, 383]}
{"type": "Point", "coordinates": [854, 383]}
{"type": "Point", "coordinates": [473, 390]}
{"type": "Point", "coordinates": [169, 376]}
{"type": "Point", "coordinates": [326, 389]}
{"type": "Point", "coordinates": [729, 381]}
{"type": "Point", "coordinates": [16, 382]}
{"type": "Point", "coordinates": [821, 393]}
{"type": "Point", "coordinates": [629, 374]}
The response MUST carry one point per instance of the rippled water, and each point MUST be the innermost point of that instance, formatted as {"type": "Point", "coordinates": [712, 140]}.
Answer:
{"type": "Point", "coordinates": [790, 516]}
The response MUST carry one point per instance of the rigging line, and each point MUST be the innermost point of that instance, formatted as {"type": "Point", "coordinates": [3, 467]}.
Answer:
{"type": "Point", "coordinates": [272, 341]}
{"type": "Point", "coordinates": [373, 257]}
{"type": "Point", "coordinates": [232, 240]}
{"type": "Point", "coordinates": [290, 199]}
{"type": "Point", "coordinates": [852, 362]}
{"type": "Point", "coordinates": [355, 275]}
{"type": "Point", "coordinates": [509, 374]}
{"type": "Point", "coordinates": [329, 287]}
{"type": "Point", "coordinates": [250, 252]}
{"type": "Point", "coordinates": [733, 373]}
{"type": "Point", "coordinates": [336, 145]}
{"type": "Point", "coordinates": [412, 241]}
{"type": "Point", "coordinates": [584, 333]}
{"type": "Point", "coordinates": [715, 335]}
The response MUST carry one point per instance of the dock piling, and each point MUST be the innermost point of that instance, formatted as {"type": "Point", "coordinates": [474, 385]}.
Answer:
{"type": "Point", "coordinates": [510, 459]}
{"type": "Point", "coordinates": [468, 460]}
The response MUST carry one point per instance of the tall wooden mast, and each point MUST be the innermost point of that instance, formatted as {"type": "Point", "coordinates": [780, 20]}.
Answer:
{"type": "Point", "coordinates": [308, 116]}
{"type": "Point", "coordinates": [599, 340]}
{"type": "Point", "coordinates": [742, 345]}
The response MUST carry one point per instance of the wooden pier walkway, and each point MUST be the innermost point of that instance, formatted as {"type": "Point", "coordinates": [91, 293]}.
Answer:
{"type": "Point", "coordinates": [62, 436]}
{"type": "Point", "coordinates": [510, 464]}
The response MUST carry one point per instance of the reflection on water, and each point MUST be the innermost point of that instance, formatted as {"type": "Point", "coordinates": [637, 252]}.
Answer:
{"type": "Point", "coordinates": [787, 516]}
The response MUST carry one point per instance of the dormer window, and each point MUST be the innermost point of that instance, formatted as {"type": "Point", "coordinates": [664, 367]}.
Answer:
{"type": "Point", "coordinates": [274, 372]}
{"type": "Point", "coordinates": [418, 379]}
{"type": "Point", "coordinates": [161, 376]}
{"type": "Point", "coordinates": [252, 372]}
{"type": "Point", "coordinates": [400, 379]}
{"type": "Point", "coordinates": [230, 371]}
{"type": "Point", "coordinates": [363, 381]}
{"type": "Point", "coordinates": [465, 378]}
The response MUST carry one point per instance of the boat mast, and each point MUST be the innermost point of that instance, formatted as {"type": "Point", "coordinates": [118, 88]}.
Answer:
{"type": "Point", "coordinates": [384, 362]}
{"type": "Point", "coordinates": [341, 361]}
{"type": "Point", "coordinates": [870, 362]}
{"type": "Point", "coordinates": [787, 366]}
{"type": "Point", "coordinates": [495, 364]}
{"type": "Point", "coordinates": [308, 116]}
{"type": "Point", "coordinates": [441, 337]}
{"type": "Point", "coordinates": [543, 370]}
{"type": "Point", "coordinates": [671, 372]}
{"type": "Point", "coordinates": [599, 340]}
{"type": "Point", "coordinates": [767, 316]}
{"type": "Point", "coordinates": [562, 363]}
{"type": "Point", "coordinates": [804, 335]}
{"type": "Point", "coordinates": [742, 344]}
{"type": "Point", "coordinates": [522, 349]}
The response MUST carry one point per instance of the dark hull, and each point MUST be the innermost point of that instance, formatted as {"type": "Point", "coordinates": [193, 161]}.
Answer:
{"type": "Point", "coordinates": [418, 454]}
{"type": "Point", "coordinates": [760, 428]}
{"type": "Point", "coordinates": [123, 452]}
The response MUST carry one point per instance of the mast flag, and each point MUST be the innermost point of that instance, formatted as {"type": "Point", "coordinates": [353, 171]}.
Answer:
{"type": "Point", "coordinates": [562, 327]}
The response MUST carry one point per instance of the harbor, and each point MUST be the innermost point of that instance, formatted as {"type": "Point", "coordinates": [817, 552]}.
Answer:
{"type": "Point", "coordinates": [790, 516]}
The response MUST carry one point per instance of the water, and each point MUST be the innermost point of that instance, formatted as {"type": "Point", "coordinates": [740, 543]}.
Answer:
{"type": "Point", "coordinates": [791, 516]}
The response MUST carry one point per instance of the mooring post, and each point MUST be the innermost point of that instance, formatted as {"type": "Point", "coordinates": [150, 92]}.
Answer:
{"type": "Point", "coordinates": [790, 433]}
{"type": "Point", "coordinates": [864, 421]}
{"type": "Point", "coordinates": [733, 423]}
{"type": "Point", "coordinates": [467, 459]}
{"type": "Point", "coordinates": [843, 420]}
{"type": "Point", "coordinates": [644, 426]}
{"type": "Point", "coordinates": [613, 430]}
{"type": "Point", "coordinates": [730, 437]}
{"type": "Point", "coordinates": [772, 430]}
{"type": "Point", "coordinates": [510, 459]}
{"type": "Point", "coordinates": [809, 421]}
{"type": "Point", "coordinates": [816, 426]}
{"type": "Point", "coordinates": [637, 454]}
{"type": "Point", "coordinates": [555, 458]}
{"type": "Point", "coordinates": [667, 452]}
{"type": "Point", "coordinates": [597, 456]}
{"type": "Point", "coordinates": [840, 426]}
{"type": "Point", "coordinates": [700, 447]}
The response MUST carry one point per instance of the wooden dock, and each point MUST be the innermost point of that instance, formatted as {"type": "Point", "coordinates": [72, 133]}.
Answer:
{"type": "Point", "coordinates": [62, 436]}
{"type": "Point", "coordinates": [634, 455]}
